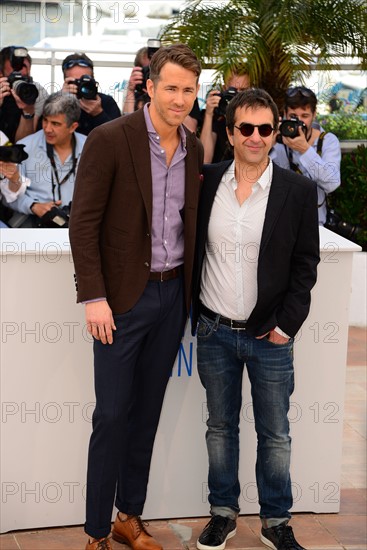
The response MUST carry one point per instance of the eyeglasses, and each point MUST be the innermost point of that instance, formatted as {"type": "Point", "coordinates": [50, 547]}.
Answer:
{"type": "Point", "coordinates": [74, 62]}
{"type": "Point", "coordinates": [247, 129]}
{"type": "Point", "coordinates": [305, 92]}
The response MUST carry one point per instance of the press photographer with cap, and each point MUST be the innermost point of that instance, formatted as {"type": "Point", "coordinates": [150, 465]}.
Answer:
{"type": "Point", "coordinates": [96, 107]}
{"type": "Point", "coordinates": [53, 155]}
{"type": "Point", "coordinates": [21, 99]}
{"type": "Point", "coordinates": [305, 148]}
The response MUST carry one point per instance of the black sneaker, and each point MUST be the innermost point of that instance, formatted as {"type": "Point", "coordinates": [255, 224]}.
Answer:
{"type": "Point", "coordinates": [216, 533]}
{"type": "Point", "coordinates": [280, 537]}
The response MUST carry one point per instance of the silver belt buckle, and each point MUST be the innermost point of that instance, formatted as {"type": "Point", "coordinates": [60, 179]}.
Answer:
{"type": "Point", "coordinates": [236, 328]}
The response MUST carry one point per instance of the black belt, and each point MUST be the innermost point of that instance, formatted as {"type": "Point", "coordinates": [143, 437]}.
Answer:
{"type": "Point", "coordinates": [233, 323]}
{"type": "Point", "coordinates": [165, 275]}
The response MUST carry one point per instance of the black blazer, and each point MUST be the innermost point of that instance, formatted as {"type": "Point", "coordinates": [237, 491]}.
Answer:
{"type": "Point", "coordinates": [288, 255]}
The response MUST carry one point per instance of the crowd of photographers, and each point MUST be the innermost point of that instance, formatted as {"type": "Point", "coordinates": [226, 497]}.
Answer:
{"type": "Point", "coordinates": [34, 126]}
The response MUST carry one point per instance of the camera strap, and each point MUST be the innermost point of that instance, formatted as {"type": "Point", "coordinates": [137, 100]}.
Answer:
{"type": "Point", "coordinates": [50, 154]}
{"type": "Point", "coordinates": [293, 166]}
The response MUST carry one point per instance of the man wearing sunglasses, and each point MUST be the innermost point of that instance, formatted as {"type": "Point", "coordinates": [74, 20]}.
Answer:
{"type": "Point", "coordinates": [256, 258]}
{"type": "Point", "coordinates": [100, 107]}
{"type": "Point", "coordinates": [312, 152]}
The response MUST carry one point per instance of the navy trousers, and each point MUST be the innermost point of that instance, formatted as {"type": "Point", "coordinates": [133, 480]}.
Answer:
{"type": "Point", "coordinates": [131, 376]}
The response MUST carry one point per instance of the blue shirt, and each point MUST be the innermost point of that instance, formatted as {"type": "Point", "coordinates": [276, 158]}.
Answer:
{"type": "Point", "coordinates": [37, 168]}
{"type": "Point", "coordinates": [324, 169]}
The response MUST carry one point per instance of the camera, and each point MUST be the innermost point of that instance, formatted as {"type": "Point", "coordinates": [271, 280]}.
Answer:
{"type": "Point", "coordinates": [335, 223]}
{"type": "Point", "coordinates": [289, 128]}
{"type": "Point", "coordinates": [225, 98]}
{"type": "Point", "coordinates": [56, 217]}
{"type": "Point", "coordinates": [23, 86]}
{"type": "Point", "coordinates": [13, 153]}
{"type": "Point", "coordinates": [87, 87]}
{"type": "Point", "coordinates": [140, 88]}
{"type": "Point", "coordinates": [153, 46]}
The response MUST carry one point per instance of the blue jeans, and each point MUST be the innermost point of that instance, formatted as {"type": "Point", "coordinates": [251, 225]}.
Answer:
{"type": "Point", "coordinates": [221, 356]}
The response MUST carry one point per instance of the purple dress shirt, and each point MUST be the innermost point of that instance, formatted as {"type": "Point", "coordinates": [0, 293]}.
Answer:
{"type": "Point", "coordinates": [168, 200]}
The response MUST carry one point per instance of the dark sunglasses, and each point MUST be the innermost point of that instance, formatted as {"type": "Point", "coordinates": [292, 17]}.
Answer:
{"type": "Point", "coordinates": [247, 129]}
{"type": "Point", "coordinates": [305, 92]}
{"type": "Point", "coordinates": [74, 62]}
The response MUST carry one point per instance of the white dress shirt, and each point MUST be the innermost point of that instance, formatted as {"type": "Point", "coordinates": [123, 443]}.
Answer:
{"type": "Point", "coordinates": [229, 274]}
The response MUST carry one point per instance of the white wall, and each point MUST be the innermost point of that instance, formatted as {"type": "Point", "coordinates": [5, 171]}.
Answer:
{"type": "Point", "coordinates": [358, 300]}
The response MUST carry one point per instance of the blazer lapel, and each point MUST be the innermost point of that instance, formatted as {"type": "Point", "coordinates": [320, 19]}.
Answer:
{"type": "Point", "coordinates": [213, 174]}
{"type": "Point", "coordinates": [277, 196]}
{"type": "Point", "coordinates": [137, 137]}
{"type": "Point", "coordinates": [192, 181]}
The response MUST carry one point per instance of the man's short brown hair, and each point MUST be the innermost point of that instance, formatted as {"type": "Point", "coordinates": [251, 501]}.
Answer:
{"type": "Point", "coordinates": [180, 54]}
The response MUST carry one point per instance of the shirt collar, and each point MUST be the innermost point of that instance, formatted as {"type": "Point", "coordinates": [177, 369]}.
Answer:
{"type": "Point", "coordinates": [78, 144]}
{"type": "Point", "coordinates": [264, 180]}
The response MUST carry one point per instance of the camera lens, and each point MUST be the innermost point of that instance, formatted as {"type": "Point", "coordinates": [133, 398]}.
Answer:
{"type": "Point", "coordinates": [27, 92]}
{"type": "Point", "coordinates": [87, 87]}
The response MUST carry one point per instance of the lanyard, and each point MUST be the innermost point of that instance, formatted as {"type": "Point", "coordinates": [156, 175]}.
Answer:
{"type": "Point", "coordinates": [296, 168]}
{"type": "Point", "coordinates": [50, 154]}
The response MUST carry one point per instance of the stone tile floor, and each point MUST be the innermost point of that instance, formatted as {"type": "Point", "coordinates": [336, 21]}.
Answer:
{"type": "Point", "coordinates": [343, 531]}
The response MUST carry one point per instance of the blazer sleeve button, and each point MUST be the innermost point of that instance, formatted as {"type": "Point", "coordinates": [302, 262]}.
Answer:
{"type": "Point", "coordinates": [146, 264]}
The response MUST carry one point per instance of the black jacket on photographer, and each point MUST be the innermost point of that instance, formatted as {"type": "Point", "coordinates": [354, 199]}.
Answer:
{"type": "Point", "coordinates": [110, 111]}
{"type": "Point", "coordinates": [222, 149]}
{"type": "Point", "coordinates": [9, 117]}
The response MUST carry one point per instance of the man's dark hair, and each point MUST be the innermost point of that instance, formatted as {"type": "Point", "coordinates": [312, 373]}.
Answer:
{"type": "Point", "coordinates": [180, 54]}
{"type": "Point", "coordinates": [253, 98]}
{"type": "Point", "coordinates": [76, 57]}
{"type": "Point", "coordinates": [300, 96]}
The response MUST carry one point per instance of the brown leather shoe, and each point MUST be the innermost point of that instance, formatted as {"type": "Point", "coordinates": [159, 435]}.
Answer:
{"type": "Point", "coordinates": [133, 533]}
{"type": "Point", "coordinates": [99, 544]}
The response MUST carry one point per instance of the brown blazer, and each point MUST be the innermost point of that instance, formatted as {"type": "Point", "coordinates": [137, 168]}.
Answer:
{"type": "Point", "coordinates": [111, 216]}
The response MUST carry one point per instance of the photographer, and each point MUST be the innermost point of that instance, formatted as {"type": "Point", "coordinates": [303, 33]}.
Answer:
{"type": "Point", "coordinates": [21, 99]}
{"type": "Point", "coordinates": [53, 155]}
{"type": "Point", "coordinates": [136, 89]}
{"type": "Point", "coordinates": [304, 147]}
{"type": "Point", "coordinates": [12, 185]}
{"type": "Point", "coordinates": [213, 133]}
{"type": "Point", "coordinates": [96, 108]}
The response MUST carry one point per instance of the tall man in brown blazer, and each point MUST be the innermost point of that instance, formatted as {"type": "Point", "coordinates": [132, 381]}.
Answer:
{"type": "Point", "coordinates": [132, 234]}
